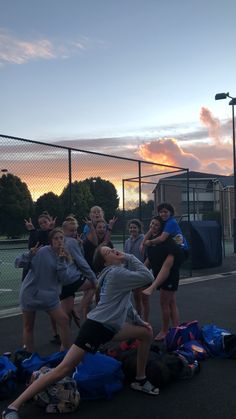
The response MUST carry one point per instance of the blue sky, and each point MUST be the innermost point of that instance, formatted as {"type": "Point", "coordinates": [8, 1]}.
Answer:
{"type": "Point", "coordinates": [137, 76]}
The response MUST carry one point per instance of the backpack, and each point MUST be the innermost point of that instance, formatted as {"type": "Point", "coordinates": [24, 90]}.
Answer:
{"type": "Point", "coordinates": [181, 334]}
{"type": "Point", "coordinates": [119, 350]}
{"type": "Point", "coordinates": [7, 377]}
{"type": "Point", "coordinates": [28, 362]}
{"type": "Point", "coordinates": [98, 376]}
{"type": "Point", "coordinates": [61, 397]}
{"type": "Point", "coordinates": [192, 350]}
{"type": "Point", "coordinates": [229, 344]}
{"type": "Point", "coordinates": [213, 339]}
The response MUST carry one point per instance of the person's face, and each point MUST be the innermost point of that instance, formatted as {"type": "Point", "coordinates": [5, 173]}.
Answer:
{"type": "Point", "coordinates": [57, 241]}
{"type": "Point", "coordinates": [44, 223]}
{"type": "Point", "coordinates": [112, 256]}
{"type": "Point", "coordinates": [96, 214]}
{"type": "Point", "coordinates": [165, 214]}
{"type": "Point", "coordinates": [101, 229]}
{"type": "Point", "coordinates": [133, 230]}
{"type": "Point", "coordinates": [155, 227]}
{"type": "Point", "coordinates": [71, 230]}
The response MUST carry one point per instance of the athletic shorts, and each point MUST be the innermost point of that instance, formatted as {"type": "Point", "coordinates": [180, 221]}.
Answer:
{"type": "Point", "coordinates": [172, 282]}
{"type": "Point", "coordinates": [92, 334]}
{"type": "Point", "coordinates": [70, 289]}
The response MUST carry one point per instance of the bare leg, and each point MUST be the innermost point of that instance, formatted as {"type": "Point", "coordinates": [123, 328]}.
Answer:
{"type": "Point", "coordinates": [54, 327]}
{"type": "Point", "coordinates": [146, 306]}
{"type": "Point", "coordinates": [61, 318]}
{"type": "Point", "coordinates": [144, 334]}
{"type": "Point", "coordinates": [174, 311]}
{"type": "Point", "coordinates": [162, 275]}
{"type": "Point", "coordinates": [67, 305]}
{"type": "Point", "coordinates": [71, 360]}
{"type": "Point", "coordinates": [88, 294]}
{"type": "Point", "coordinates": [138, 300]}
{"type": "Point", "coordinates": [28, 330]}
{"type": "Point", "coordinates": [165, 300]}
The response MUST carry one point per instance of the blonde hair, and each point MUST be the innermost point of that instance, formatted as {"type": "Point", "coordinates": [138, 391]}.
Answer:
{"type": "Point", "coordinates": [96, 208]}
{"type": "Point", "coordinates": [69, 221]}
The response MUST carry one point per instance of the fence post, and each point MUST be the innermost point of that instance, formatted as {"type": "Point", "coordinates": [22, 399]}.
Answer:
{"type": "Point", "coordinates": [70, 179]}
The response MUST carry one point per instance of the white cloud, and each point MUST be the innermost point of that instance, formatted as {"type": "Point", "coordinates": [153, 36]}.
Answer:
{"type": "Point", "coordinates": [21, 51]}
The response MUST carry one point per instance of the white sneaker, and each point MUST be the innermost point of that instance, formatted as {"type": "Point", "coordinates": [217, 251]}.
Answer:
{"type": "Point", "coordinates": [9, 413]}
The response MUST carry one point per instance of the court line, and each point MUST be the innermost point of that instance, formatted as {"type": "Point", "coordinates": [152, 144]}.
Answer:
{"type": "Point", "coordinates": [16, 311]}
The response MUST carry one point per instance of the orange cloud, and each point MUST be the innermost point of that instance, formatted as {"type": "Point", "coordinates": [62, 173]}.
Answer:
{"type": "Point", "coordinates": [167, 151]}
{"type": "Point", "coordinates": [213, 124]}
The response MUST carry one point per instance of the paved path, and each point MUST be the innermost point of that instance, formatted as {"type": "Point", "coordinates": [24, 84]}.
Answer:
{"type": "Point", "coordinates": [211, 394]}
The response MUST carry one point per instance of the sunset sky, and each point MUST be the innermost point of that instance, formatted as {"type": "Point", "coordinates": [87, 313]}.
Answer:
{"type": "Point", "coordinates": [134, 78]}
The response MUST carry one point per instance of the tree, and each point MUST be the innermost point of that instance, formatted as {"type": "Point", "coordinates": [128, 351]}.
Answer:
{"type": "Point", "coordinates": [49, 202]}
{"type": "Point", "coordinates": [147, 212]}
{"type": "Point", "coordinates": [81, 200]}
{"type": "Point", "coordinates": [104, 195]}
{"type": "Point", "coordinates": [16, 204]}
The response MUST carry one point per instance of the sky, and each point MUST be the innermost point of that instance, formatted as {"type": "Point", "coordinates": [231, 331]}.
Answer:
{"type": "Point", "coordinates": [133, 78]}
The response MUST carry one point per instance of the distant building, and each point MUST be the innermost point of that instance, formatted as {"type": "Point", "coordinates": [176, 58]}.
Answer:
{"type": "Point", "coordinates": [208, 193]}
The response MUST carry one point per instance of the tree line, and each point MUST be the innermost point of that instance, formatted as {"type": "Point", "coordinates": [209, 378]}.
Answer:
{"type": "Point", "coordinates": [16, 203]}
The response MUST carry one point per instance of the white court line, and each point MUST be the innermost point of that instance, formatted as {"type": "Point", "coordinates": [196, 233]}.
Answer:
{"type": "Point", "coordinates": [16, 311]}
{"type": "Point", "coordinates": [193, 280]}
{"type": "Point", "coordinates": [5, 290]}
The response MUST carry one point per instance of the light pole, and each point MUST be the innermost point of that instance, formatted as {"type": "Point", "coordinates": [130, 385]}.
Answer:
{"type": "Point", "coordinates": [220, 96]}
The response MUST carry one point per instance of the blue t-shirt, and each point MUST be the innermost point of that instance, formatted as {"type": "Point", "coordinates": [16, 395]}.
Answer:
{"type": "Point", "coordinates": [87, 229]}
{"type": "Point", "coordinates": [173, 229]}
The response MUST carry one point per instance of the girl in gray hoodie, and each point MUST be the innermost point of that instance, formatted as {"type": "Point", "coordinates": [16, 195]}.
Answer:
{"type": "Point", "coordinates": [50, 267]}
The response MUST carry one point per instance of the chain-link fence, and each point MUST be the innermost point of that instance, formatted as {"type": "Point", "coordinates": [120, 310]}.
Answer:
{"type": "Point", "coordinates": [47, 175]}
{"type": "Point", "coordinates": [205, 199]}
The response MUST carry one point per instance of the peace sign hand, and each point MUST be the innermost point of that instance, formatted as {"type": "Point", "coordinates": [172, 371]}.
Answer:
{"type": "Point", "coordinates": [29, 225]}
{"type": "Point", "coordinates": [35, 249]}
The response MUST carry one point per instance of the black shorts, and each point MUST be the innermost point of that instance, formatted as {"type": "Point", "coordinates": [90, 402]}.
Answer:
{"type": "Point", "coordinates": [92, 334]}
{"type": "Point", "coordinates": [70, 289]}
{"type": "Point", "coordinates": [172, 282]}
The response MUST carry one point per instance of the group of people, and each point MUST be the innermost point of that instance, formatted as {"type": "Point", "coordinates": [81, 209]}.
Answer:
{"type": "Point", "coordinates": [150, 261]}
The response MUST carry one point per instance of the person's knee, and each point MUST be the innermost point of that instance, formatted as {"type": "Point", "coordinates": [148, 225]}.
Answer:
{"type": "Point", "coordinates": [62, 371]}
{"type": "Point", "coordinates": [147, 335]}
{"type": "Point", "coordinates": [28, 327]}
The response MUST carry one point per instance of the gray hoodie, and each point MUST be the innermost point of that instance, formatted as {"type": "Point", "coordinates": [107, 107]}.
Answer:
{"type": "Point", "coordinates": [81, 266]}
{"type": "Point", "coordinates": [117, 282]}
{"type": "Point", "coordinates": [42, 285]}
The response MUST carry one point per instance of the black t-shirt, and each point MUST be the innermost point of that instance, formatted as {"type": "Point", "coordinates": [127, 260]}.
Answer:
{"type": "Point", "coordinates": [89, 250]}
{"type": "Point", "coordinates": [158, 253]}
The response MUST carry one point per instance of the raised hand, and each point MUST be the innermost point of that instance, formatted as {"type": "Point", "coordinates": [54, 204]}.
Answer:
{"type": "Point", "coordinates": [63, 253]}
{"type": "Point", "coordinates": [53, 222]}
{"type": "Point", "coordinates": [35, 249]}
{"type": "Point", "coordinates": [88, 222]}
{"type": "Point", "coordinates": [112, 222]}
{"type": "Point", "coordinates": [29, 225]}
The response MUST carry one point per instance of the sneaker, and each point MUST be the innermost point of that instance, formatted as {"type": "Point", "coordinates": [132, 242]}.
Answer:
{"type": "Point", "coordinates": [145, 386]}
{"type": "Point", "coordinates": [56, 339]}
{"type": "Point", "coordinates": [9, 413]}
